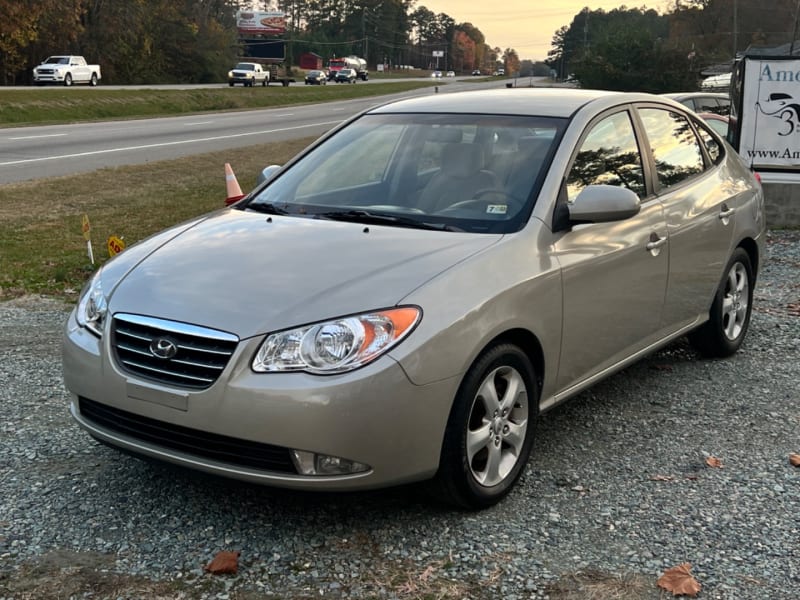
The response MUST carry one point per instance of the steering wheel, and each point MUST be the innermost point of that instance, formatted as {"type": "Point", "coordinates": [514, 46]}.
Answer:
{"type": "Point", "coordinates": [477, 203]}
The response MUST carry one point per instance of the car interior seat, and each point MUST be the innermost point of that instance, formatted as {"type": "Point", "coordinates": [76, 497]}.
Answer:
{"type": "Point", "coordinates": [460, 176]}
{"type": "Point", "coordinates": [526, 165]}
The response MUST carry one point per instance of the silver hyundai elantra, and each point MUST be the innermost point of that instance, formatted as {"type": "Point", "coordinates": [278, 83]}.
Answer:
{"type": "Point", "coordinates": [401, 300]}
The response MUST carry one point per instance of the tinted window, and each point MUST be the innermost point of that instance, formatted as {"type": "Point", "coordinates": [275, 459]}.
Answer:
{"type": "Point", "coordinates": [675, 147]}
{"type": "Point", "coordinates": [608, 155]}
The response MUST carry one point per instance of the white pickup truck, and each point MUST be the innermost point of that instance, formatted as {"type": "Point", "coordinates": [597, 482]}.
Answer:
{"type": "Point", "coordinates": [66, 70]}
{"type": "Point", "coordinates": [248, 74]}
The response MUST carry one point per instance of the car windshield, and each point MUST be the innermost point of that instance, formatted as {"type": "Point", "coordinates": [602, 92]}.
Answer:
{"type": "Point", "coordinates": [245, 67]}
{"type": "Point", "coordinates": [57, 60]}
{"type": "Point", "coordinates": [466, 172]}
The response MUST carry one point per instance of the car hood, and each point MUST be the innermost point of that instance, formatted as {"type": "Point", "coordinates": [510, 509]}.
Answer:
{"type": "Point", "coordinates": [247, 273]}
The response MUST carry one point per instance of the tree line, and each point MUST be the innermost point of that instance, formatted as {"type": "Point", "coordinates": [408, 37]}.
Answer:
{"type": "Point", "coordinates": [638, 49]}
{"type": "Point", "coordinates": [196, 41]}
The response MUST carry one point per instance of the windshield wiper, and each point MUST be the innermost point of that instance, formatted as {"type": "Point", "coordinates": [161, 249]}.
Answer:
{"type": "Point", "coordinates": [364, 216]}
{"type": "Point", "coordinates": [267, 207]}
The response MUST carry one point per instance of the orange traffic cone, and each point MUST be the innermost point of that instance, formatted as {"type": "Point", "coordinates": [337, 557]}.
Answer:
{"type": "Point", "coordinates": [234, 191]}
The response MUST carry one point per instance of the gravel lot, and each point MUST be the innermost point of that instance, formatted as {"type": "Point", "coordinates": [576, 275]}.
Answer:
{"type": "Point", "coordinates": [618, 490]}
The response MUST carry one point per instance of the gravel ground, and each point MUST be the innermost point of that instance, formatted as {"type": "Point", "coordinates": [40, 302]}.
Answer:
{"type": "Point", "coordinates": [618, 490]}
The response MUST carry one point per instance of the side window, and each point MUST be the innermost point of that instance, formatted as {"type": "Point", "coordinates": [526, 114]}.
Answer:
{"type": "Point", "coordinates": [675, 147]}
{"type": "Point", "coordinates": [608, 155]}
{"type": "Point", "coordinates": [713, 147]}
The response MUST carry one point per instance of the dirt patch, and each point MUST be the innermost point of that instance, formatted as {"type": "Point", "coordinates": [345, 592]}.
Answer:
{"type": "Point", "coordinates": [597, 585]}
{"type": "Point", "coordinates": [36, 302]}
{"type": "Point", "coordinates": [66, 574]}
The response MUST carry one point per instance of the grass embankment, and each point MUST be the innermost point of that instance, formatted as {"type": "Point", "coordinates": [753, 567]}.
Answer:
{"type": "Point", "coordinates": [42, 250]}
{"type": "Point", "coordinates": [39, 106]}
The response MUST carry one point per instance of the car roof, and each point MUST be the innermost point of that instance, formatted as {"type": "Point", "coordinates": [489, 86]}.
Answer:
{"type": "Point", "coordinates": [555, 102]}
{"type": "Point", "coordinates": [686, 95]}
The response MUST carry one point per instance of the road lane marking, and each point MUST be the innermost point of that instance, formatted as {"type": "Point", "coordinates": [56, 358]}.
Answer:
{"type": "Point", "coordinates": [177, 143]}
{"type": "Point", "coordinates": [198, 123]}
{"type": "Point", "coordinates": [36, 137]}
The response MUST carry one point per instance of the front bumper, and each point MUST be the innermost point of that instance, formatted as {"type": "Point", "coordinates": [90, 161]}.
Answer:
{"type": "Point", "coordinates": [373, 415]}
{"type": "Point", "coordinates": [56, 78]}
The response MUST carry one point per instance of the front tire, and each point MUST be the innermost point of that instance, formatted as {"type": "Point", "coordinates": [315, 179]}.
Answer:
{"type": "Point", "coordinates": [68, 80]}
{"type": "Point", "coordinates": [724, 332]}
{"type": "Point", "coordinates": [489, 432]}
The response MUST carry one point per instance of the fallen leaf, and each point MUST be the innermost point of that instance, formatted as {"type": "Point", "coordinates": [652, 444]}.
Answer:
{"type": "Point", "coordinates": [794, 459]}
{"type": "Point", "coordinates": [224, 562]}
{"type": "Point", "coordinates": [713, 461]}
{"type": "Point", "coordinates": [679, 580]}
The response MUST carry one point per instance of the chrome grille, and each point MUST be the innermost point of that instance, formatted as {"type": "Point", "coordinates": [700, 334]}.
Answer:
{"type": "Point", "coordinates": [194, 357]}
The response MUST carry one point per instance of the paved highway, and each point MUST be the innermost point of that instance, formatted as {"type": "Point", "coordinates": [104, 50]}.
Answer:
{"type": "Point", "coordinates": [56, 150]}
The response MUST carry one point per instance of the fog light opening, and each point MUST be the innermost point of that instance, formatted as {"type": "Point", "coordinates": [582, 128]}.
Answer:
{"type": "Point", "coordinates": [311, 463]}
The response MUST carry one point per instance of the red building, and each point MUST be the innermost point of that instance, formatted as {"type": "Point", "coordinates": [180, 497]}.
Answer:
{"type": "Point", "coordinates": [309, 60]}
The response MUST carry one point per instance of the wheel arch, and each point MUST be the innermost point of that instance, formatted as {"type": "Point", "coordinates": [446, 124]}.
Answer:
{"type": "Point", "coordinates": [750, 246]}
{"type": "Point", "coordinates": [528, 342]}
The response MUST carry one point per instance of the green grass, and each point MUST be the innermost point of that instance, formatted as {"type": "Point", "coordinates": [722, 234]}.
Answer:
{"type": "Point", "coordinates": [40, 106]}
{"type": "Point", "coordinates": [42, 250]}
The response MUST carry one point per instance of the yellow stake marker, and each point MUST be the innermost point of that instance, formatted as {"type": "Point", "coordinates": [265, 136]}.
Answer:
{"type": "Point", "coordinates": [115, 245]}
{"type": "Point", "coordinates": [87, 235]}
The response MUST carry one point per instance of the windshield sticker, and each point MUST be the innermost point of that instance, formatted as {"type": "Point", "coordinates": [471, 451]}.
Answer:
{"type": "Point", "coordinates": [496, 209]}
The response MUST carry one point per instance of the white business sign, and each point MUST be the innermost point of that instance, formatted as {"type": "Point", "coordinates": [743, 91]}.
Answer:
{"type": "Point", "coordinates": [770, 113]}
{"type": "Point", "coordinates": [437, 53]}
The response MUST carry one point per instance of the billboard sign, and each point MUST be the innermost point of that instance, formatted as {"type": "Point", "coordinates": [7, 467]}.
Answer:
{"type": "Point", "coordinates": [769, 115]}
{"type": "Point", "coordinates": [254, 22]}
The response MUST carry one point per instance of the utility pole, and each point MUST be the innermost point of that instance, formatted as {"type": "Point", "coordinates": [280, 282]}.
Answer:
{"type": "Point", "coordinates": [735, 26]}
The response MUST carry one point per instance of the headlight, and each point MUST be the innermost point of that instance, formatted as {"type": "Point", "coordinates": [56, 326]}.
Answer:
{"type": "Point", "coordinates": [92, 306]}
{"type": "Point", "coordinates": [230, 74]}
{"type": "Point", "coordinates": [336, 346]}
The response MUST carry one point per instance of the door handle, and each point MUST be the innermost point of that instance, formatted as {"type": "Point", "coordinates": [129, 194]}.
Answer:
{"type": "Point", "coordinates": [655, 244]}
{"type": "Point", "coordinates": [726, 213]}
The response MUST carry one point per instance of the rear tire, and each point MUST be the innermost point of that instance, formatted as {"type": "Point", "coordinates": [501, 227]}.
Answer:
{"type": "Point", "coordinates": [724, 332]}
{"type": "Point", "coordinates": [93, 80]}
{"type": "Point", "coordinates": [489, 433]}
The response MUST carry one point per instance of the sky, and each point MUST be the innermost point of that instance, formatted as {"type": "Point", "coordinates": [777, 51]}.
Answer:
{"type": "Point", "coordinates": [527, 26]}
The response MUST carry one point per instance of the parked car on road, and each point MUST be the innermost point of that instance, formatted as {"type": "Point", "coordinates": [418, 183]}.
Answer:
{"type": "Point", "coordinates": [450, 74]}
{"type": "Point", "coordinates": [316, 77]}
{"type": "Point", "coordinates": [248, 74]}
{"type": "Point", "coordinates": [476, 72]}
{"type": "Point", "coordinates": [708, 102]}
{"type": "Point", "coordinates": [346, 76]}
{"type": "Point", "coordinates": [432, 275]}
